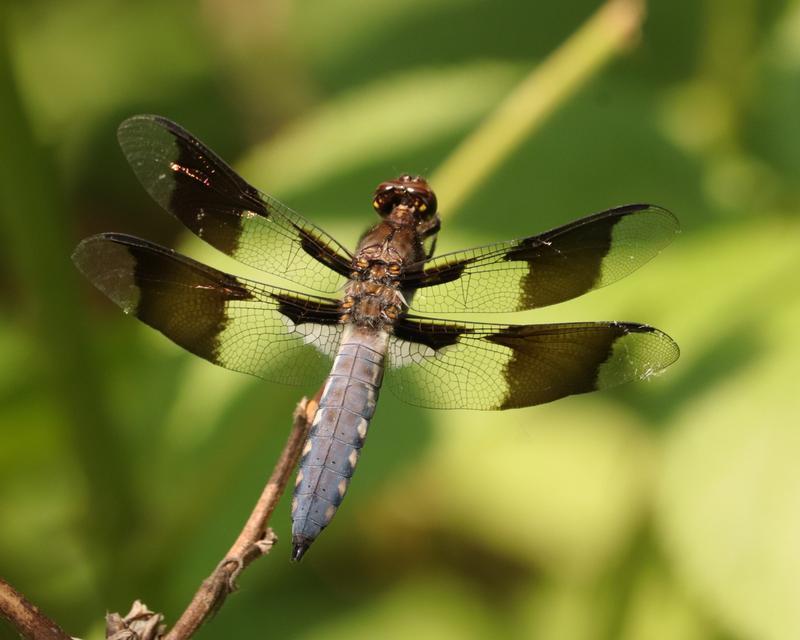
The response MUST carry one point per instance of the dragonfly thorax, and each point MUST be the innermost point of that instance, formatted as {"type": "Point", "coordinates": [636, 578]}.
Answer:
{"type": "Point", "coordinates": [372, 304]}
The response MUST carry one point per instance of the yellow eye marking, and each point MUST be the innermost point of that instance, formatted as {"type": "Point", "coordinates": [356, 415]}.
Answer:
{"type": "Point", "coordinates": [423, 207]}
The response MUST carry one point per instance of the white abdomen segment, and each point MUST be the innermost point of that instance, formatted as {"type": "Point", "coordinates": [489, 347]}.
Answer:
{"type": "Point", "coordinates": [337, 434]}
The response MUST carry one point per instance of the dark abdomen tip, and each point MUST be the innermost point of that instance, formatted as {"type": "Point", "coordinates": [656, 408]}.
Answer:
{"type": "Point", "coordinates": [299, 549]}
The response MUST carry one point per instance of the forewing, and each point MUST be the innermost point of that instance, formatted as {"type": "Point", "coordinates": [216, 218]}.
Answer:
{"type": "Point", "coordinates": [215, 203]}
{"type": "Point", "coordinates": [546, 269]}
{"type": "Point", "coordinates": [238, 324]}
{"type": "Point", "coordinates": [447, 365]}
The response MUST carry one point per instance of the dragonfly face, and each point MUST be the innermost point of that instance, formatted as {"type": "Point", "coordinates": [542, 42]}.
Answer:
{"type": "Point", "coordinates": [412, 192]}
{"type": "Point", "coordinates": [372, 334]}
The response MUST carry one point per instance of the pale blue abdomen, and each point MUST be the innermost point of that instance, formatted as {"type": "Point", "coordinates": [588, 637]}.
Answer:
{"type": "Point", "coordinates": [337, 433]}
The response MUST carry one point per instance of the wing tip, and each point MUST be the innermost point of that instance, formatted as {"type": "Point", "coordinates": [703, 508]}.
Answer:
{"type": "Point", "coordinates": [130, 129]}
{"type": "Point", "coordinates": [641, 207]}
{"type": "Point", "coordinates": [107, 237]}
{"type": "Point", "coordinates": [662, 351]}
{"type": "Point", "coordinates": [107, 262]}
{"type": "Point", "coordinates": [133, 122]}
{"type": "Point", "coordinates": [82, 251]}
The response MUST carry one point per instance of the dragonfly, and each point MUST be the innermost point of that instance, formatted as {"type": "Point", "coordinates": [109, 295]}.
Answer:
{"type": "Point", "coordinates": [363, 326]}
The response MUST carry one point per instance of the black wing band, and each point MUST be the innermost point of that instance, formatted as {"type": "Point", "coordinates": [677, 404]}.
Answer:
{"type": "Point", "coordinates": [468, 365]}
{"type": "Point", "coordinates": [215, 203]}
{"type": "Point", "coordinates": [239, 324]}
{"type": "Point", "coordinates": [546, 269]}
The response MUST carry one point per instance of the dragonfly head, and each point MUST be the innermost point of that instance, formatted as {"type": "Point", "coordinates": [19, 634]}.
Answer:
{"type": "Point", "coordinates": [412, 192]}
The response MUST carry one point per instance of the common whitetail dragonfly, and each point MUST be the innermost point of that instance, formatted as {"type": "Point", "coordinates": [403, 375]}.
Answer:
{"type": "Point", "coordinates": [364, 317]}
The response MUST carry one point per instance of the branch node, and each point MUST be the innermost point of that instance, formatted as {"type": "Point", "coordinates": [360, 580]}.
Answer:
{"type": "Point", "coordinates": [266, 543]}
{"type": "Point", "coordinates": [226, 573]}
{"type": "Point", "coordinates": [139, 624]}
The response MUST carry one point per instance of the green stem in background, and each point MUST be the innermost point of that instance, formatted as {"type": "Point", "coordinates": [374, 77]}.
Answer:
{"type": "Point", "coordinates": [605, 34]}
{"type": "Point", "coordinates": [37, 246]}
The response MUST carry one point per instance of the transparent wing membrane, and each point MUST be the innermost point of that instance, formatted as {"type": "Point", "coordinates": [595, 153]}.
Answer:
{"type": "Point", "coordinates": [238, 324]}
{"type": "Point", "coordinates": [449, 365]}
{"type": "Point", "coordinates": [546, 269]}
{"type": "Point", "coordinates": [215, 203]}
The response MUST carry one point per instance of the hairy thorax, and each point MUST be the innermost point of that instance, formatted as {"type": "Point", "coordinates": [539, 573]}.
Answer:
{"type": "Point", "coordinates": [373, 298]}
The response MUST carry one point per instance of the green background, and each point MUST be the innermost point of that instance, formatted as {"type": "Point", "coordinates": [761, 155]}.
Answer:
{"type": "Point", "coordinates": [666, 509]}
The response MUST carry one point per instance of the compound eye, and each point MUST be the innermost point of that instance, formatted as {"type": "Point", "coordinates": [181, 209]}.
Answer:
{"type": "Point", "coordinates": [426, 204]}
{"type": "Point", "coordinates": [418, 200]}
{"type": "Point", "coordinates": [384, 200]}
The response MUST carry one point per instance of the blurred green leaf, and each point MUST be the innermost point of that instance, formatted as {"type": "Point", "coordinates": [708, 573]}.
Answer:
{"type": "Point", "coordinates": [563, 488]}
{"type": "Point", "coordinates": [728, 503]}
{"type": "Point", "coordinates": [68, 85]}
{"type": "Point", "coordinates": [393, 115]}
{"type": "Point", "coordinates": [425, 608]}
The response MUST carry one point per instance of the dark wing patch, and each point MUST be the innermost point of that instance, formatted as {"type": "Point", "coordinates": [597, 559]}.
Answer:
{"type": "Point", "coordinates": [412, 329]}
{"type": "Point", "coordinates": [215, 203]}
{"type": "Point", "coordinates": [239, 324]}
{"type": "Point", "coordinates": [546, 269]}
{"type": "Point", "coordinates": [492, 366]}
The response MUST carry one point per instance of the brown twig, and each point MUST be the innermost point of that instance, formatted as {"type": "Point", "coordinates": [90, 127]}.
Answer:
{"type": "Point", "coordinates": [255, 539]}
{"type": "Point", "coordinates": [26, 617]}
